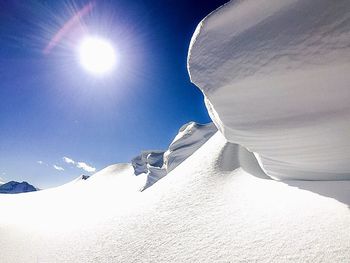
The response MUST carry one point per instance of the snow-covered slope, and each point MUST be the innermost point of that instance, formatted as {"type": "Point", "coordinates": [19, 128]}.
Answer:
{"type": "Point", "coordinates": [276, 79]}
{"type": "Point", "coordinates": [81, 177]}
{"type": "Point", "coordinates": [213, 207]}
{"type": "Point", "coordinates": [157, 164]}
{"type": "Point", "coordinates": [13, 187]}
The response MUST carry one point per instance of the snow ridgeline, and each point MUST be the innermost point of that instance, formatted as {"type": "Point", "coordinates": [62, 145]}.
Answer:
{"type": "Point", "coordinates": [157, 164]}
{"type": "Point", "coordinates": [275, 76]}
{"type": "Point", "coordinates": [208, 209]}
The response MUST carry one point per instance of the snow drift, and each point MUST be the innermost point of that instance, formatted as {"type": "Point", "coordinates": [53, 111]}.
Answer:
{"type": "Point", "coordinates": [210, 208]}
{"type": "Point", "coordinates": [151, 164]}
{"type": "Point", "coordinates": [157, 164]}
{"type": "Point", "coordinates": [215, 204]}
{"type": "Point", "coordinates": [146, 158]}
{"type": "Point", "coordinates": [275, 75]}
{"type": "Point", "coordinates": [190, 138]}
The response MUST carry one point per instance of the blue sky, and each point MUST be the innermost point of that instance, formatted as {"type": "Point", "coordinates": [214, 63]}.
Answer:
{"type": "Point", "coordinates": [52, 108]}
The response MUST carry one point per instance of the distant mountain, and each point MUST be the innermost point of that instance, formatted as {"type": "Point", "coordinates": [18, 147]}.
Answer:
{"type": "Point", "coordinates": [13, 187]}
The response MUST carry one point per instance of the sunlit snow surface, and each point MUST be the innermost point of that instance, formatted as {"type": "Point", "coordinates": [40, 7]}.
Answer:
{"type": "Point", "coordinates": [276, 78]}
{"type": "Point", "coordinates": [208, 209]}
{"type": "Point", "coordinates": [266, 69]}
{"type": "Point", "coordinates": [157, 164]}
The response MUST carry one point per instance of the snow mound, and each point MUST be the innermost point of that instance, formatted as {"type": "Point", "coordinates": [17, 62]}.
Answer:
{"type": "Point", "coordinates": [79, 179]}
{"type": "Point", "coordinates": [275, 76]}
{"type": "Point", "coordinates": [211, 208]}
{"type": "Point", "coordinates": [13, 187]}
{"type": "Point", "coordinates": [190, 138]}
{"type": "Point", "coordinates": [114, 169]}
{"type": "Point", "coordinates": [116, 172]}
{"type": "Point", "coordinates": [82, 177]}
{"type": "Point", "coordinates": [157, 164]}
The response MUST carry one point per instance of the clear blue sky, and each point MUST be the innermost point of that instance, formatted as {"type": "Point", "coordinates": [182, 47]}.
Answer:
{"type": "Point", "coordinates": [51, 107]}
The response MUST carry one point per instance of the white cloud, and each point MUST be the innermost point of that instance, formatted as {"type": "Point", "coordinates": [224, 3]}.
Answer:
{"type": "Point", "coordinates": [80, 165]}
{"type": "Point", "coordinates": [68, 160]}
{"type": "Point", "coordinates": [58, 168]}
{"type": "Point", "coordinates": [86, 167]}
{"type": "Point", "coordinates": [42, 163]}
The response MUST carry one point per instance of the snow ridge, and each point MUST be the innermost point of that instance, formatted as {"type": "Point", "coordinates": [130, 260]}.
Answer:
{"type": "Point", "coordinates": [275, 79]}
{"type": "Point", "coordinates": [157, 164]}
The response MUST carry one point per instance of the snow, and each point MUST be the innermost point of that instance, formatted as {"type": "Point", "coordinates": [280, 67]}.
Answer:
{"type": "Point", "coordinates": [190, 138]}
{"type": "Point", "coordinates": [151, 157]}
{"type": "Point", "coordinates": [79, 179]}
{"type": "Point", "coordinates": [216, 206]}
{"type": "Point", "coordinates": [157, 164]}
{"type": "Point", "coordinates": [150, 164]}
{"type": "Point", "coordinates": [276, 80]}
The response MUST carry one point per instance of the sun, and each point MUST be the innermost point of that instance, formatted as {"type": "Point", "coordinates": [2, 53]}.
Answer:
{"type": "Point", "coordinates": [97, 55]}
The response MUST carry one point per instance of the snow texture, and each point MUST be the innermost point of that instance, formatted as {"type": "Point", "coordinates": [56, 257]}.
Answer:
{"type": "Point", "coordinates": [190, 138]}
{"type": "Point", "coordinates": [151, 164]}
{"type": "Point", "coordinates": [140, 162]}
{"type": "Point", "coordinates": [214, 207]}
{"type": "Point", "coordinates": [157, 164]}
{"type": "Point", "coordinates": [13, 187]}
{"type": "Point", "coordinates": [275, 75]}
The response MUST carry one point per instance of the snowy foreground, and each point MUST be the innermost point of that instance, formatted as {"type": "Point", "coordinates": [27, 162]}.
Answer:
{"type": "Point", "coordinates": [276, 80]}
{"type": "Point", "coordinates": [216, 206]}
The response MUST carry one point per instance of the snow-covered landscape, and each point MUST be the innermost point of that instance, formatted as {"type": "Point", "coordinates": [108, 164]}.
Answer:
{"type": "Point", "coordinates": [266, 181]}
{"type": "Point", "coordinates": [216, 206]}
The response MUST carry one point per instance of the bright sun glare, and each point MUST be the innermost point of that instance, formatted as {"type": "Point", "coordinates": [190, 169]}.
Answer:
{"type": "Point", "coordinates": [97, 55]}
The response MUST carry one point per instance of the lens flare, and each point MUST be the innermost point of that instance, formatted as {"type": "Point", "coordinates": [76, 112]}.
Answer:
{"type": "Point", "coordinates": [68, 26]}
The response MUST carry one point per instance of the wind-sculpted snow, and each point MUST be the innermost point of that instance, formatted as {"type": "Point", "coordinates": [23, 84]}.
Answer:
{"type": "Point", "coordinates": [157, 164]}
{"type": "Point", "coordinates": [139, 163]}
{"type": "Point", "coordinates": [153, 158]}
{"type": "Point", "coordinates": [275, 75]}
{"type": "Point", "coordinates": [13, 187]}
{"type": "Point", "coordinates": [150, 163]}
{"type": "Point", "coordinates": [191, 136]}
